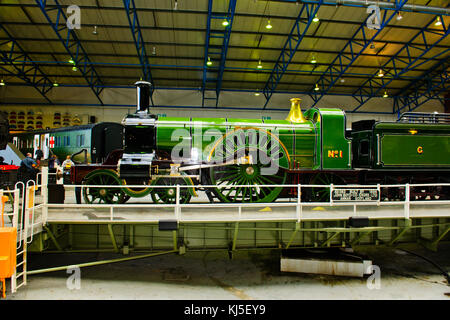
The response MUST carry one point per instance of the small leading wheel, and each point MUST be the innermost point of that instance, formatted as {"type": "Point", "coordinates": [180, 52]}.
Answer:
{"type": "Point", "coordinates": [103, 194]}
{"type": "Point", "coordinates": [319, 194]}
{"type": "Point", "coordinates": [168, 195]}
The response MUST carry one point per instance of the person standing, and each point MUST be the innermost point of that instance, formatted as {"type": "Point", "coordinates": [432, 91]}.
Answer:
{"type": "Point", "coordinates": [29, 164]}
{"type": "Point", "coordinates": [39, 154]}
{"type": "Point", "coordinates": [67, 163]}
{"type": "Point", "coordinates": [53, 162]}
{"type": "Point", "coordinates": [28, 168]}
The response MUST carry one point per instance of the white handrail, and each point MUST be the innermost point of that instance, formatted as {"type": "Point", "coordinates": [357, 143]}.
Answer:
{"type": "Point", "coordinates": [31, 191]}
{"type": "Point", "coordinates": [178, 207]}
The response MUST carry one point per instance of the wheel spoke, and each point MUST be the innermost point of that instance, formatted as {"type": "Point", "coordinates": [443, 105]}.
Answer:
{"type": "Point", "coordinates": [228, 177]}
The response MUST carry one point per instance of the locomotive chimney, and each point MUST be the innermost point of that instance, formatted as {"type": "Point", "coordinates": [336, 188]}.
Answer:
{"type": "Point", "coordinates": [143, 96]}
{"type": "Point", "coordinates": [295, 115]}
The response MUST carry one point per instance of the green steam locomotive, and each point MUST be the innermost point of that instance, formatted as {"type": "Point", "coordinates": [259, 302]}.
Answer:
{"type": "Point", "coordinates": [248, 160]}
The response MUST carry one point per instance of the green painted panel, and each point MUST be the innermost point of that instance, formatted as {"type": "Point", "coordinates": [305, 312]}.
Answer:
{"type": "Point", "coordinates": [206, 132]}
{"type": "Point", "coordinates": [166, 135]}
{"type": "Point", "coordinates": [415, 150]}
{"type": "Point", "coordinates": [335, 147]}
{"type": "Point", "coordinates": [282, 122]}
{"type": "Point", "coordinates": [202, 135]}
{"type": "Point", "coordinates": [236, 122]}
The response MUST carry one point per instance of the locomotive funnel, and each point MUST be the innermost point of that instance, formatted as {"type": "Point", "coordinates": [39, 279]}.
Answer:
{"type": "Point", "coordinates": [295, 115]}
{"type": "Point", "coordinates": [143, 95]}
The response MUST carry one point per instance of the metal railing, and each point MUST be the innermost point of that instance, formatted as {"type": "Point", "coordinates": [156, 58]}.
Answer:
{"type": "Point", "coordinates": [427, 118]}
{"type": "Point", "coordinates": [294, 202]}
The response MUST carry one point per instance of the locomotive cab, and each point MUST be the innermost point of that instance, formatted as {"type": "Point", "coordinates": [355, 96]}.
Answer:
{"type": "Point", "coordinates": [139, 138]}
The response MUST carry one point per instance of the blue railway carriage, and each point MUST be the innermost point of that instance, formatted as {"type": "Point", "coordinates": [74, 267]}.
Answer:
{"type": "Point", "coordinates": [89, 143]}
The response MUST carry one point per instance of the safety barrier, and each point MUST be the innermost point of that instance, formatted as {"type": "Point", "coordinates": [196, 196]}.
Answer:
{"type": "Point", "coordinates": [286, 209]}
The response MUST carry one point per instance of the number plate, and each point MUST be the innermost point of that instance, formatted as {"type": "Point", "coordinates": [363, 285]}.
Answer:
{"type": "Point", "coordinates": [355, 195]}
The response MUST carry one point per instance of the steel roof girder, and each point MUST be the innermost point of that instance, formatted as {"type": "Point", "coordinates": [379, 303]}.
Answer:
{"type": "Point", "coordinates": [224, 35]}
{"type": "Point", "coordinates": [69, 41]}
{"type": "Point", "coordinates": [385, 20]}
{"type": "Point", "coordinates": [289, 48]}
{"type": "Point", "coordinates": [135, 28]}
{"type": "Point", "coordinates": [436, 85]}
{"type": "Point", "coordinates": [408, 67]}
{"type": "Point", "coordinates": [43, 85]}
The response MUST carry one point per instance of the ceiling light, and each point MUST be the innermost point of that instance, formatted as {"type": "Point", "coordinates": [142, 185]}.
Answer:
{"type": "Point", "coordinates": [259, 64]}
{"type": "Point", "coordinates": [154, 51]}
{"type": "Point", "coordinates": [74, 68]}
{"type": "Point", "coordinates": [225, 22]}
{"type": "Point", "coordinates": [316, 19]}
{"type": "Point", "coordinates": [2, 83]}
{"type": "Point", "coordinates": [313, 59]}
{"type": "Point", "coordinates": [71, 61]}
{"type": "Point", "coordinates": [268, 26]}
{"type": "Point", "coordinates": [176, 5]}
{"type": "Point", "coordinates": [257, 93]}
{"type": "Point", "coordinates": [438, 22]}
{"type": "Point", "coordinates": [317, 87]}
{"type": "Point", "coordinates": [209, 62]}
{"type": "Point", "coordinates": [385, 95]}
{"type": "Point", "coordinates": [342, 80]}
{"type": "Point", "coordinates": [95, 31]}
{"type": "Point", "coordinates": [381, 73]}
{"type": "Point", "coordinates": [399, 16]}
{"type": "Point", "coordinates": [55, 84]}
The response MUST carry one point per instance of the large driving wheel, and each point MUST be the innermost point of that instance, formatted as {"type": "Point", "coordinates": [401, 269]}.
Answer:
{"type": "Point", "coordinates": [230, 178]}
{"type": "Point", "coordinates": [103, 194]}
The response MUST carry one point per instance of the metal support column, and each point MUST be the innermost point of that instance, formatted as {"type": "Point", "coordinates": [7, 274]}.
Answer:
{"type": "Point", "coordinates": [216, 51]}
{"type": "Point", "coordinates": [139, 42]}
{"type": "Point", "coordinates": [298, 31]}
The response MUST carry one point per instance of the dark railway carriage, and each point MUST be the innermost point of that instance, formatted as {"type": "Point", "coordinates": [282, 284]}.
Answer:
{"type": "Point", "coordinates": [89, 143]}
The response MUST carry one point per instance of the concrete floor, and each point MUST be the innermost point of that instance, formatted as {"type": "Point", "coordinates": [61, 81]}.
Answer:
{"type": "Point", "coordinates": [249, 276]}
